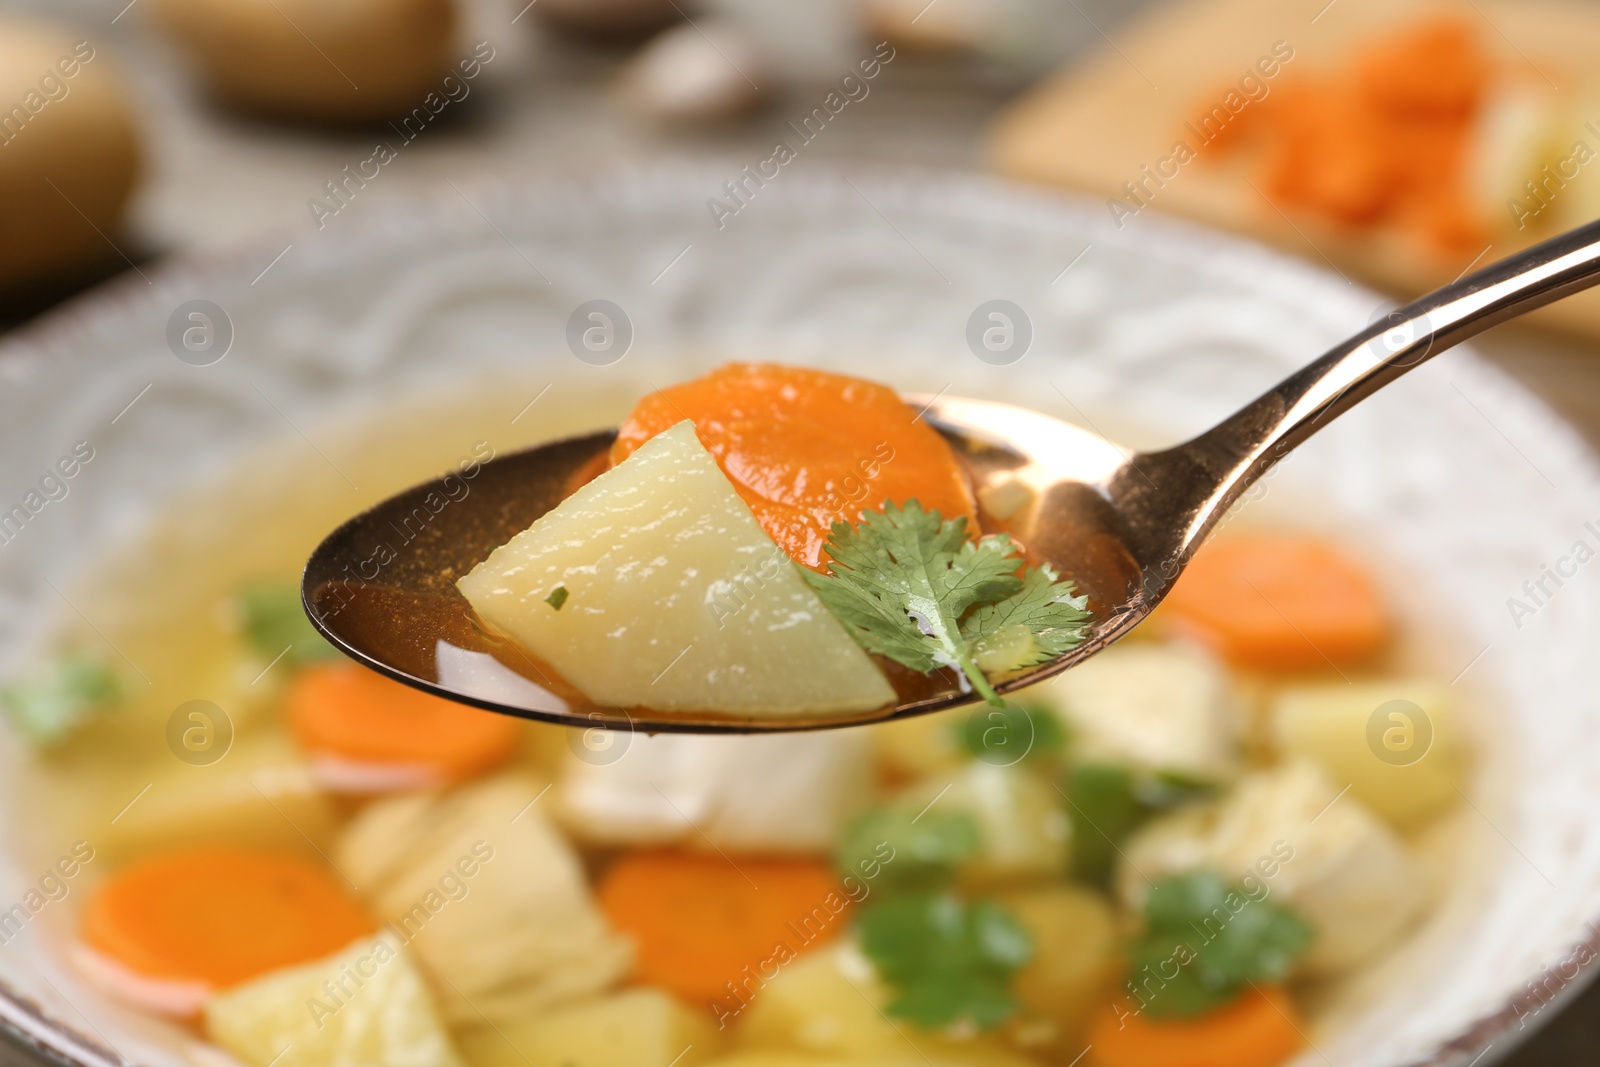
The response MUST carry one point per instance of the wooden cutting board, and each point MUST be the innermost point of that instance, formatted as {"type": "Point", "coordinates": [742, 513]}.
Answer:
{"type": "Point", "coordinates": [1100, 123]}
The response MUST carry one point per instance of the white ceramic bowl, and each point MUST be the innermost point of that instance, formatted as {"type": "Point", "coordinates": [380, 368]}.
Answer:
{"type": "Point", "coordinates": [1455, 479]}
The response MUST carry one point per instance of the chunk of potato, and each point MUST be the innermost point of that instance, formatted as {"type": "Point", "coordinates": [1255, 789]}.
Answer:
{"type": "Point", "coordinates": [635, 1028]}
{"type": "Point", "coordinates": [922, 744]}
{"type": "Point", "coordinates": [365, 1006]}
{"type": "Point", "coordinates": [830, 1004]}
{"type": "Point", "coordinates": [1075, 960]}
{"type": "Point", "coordinates": [676, 599]}
{"type": "Point", "coordinates": [974, 1057]}
{"type": "Point", "coordinates": [1398, 762]}
{"type": "Point", "coordinates": [260, 793]}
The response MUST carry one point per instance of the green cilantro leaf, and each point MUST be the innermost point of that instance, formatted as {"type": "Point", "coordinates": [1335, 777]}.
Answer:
{"type": "Point", "coordinates": [1043, 605]}
{"type": "Point", "coordinates": [904, 580]}
{"type": "Point", "coordinates": [1217, 937]}
{"type": "Point", "coordinates": [1104, 808]}
{"type": "Point", "coordinates": [912, 850]}
{"type": "Point", "coordinates": [1010, 733]}
{"type": "Point", "coordinates": [273, 619]}
{"type": "Point", "coordinates": [1107, 801]}
{"type": "Point", "coordinates": [557, 597]}
{"type": "Point", "coordinates": [945, 960]}
{"type": "Point", "coordinates": [47, 706]}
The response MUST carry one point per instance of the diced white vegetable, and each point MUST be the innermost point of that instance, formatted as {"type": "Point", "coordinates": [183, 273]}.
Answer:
{"type": "Point", "coordinates": [488, 894]}
{"type": "Point", "coordinates": [774, 793]}
{"type": "Point", "coordinates": [1153, 707]}
{"type": "Point", "coordinates": [1022, 821]}
{"type": "Point", "coordinates": [1334, 725]}
{"type": "Point", "coordinates": [1075, 961]}
{"type": "Point", "coordinates": [365, 1007]}
{"type": "Point", "coordinates": [675, 597]}
{"type": "Point", "coordinates": [829, 1004]}
{"type": "Point", "coordinates": [634, 1028]}
{"type": "Point", "coordinates": [1325, 854]}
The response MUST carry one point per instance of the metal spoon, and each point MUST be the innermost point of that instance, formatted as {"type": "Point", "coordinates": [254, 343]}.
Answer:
{"type": "Point", "coordinates": [1122, 525]}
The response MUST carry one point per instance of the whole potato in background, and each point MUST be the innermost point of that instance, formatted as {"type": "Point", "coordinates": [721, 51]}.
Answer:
{"type": "Point", "coordinates": [327, 60]}
{"type": "Point", "coordinates": [69, 152]}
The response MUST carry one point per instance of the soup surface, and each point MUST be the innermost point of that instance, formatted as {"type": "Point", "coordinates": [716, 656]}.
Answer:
{"type": "Point", "coordinates": [1162, 856]}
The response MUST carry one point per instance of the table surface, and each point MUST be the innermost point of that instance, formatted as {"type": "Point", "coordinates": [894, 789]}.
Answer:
{"type": "Point", "coordinates": [214, 178]}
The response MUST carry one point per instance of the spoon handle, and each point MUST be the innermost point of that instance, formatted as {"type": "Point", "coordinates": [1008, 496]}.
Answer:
{"type": "Point", "coordinates": [1174, 497]}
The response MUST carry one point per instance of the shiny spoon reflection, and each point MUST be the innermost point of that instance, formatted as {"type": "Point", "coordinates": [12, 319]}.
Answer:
{"type": "Point", "coordinates": [1122, 525]}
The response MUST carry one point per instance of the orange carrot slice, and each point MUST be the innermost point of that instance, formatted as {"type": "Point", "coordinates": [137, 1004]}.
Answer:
{"type": "Point", "coordinates": [348, 712]}
{"type": "Point", "coordinates": [704, 923]}
{"type": "Point", "coordinates": [1328, 155]}
{"type": "Point", "coordinates": [1434, 66]}
{"type": "Point", "coordinates": [805, 448]}
{"type": "Point", "coordinates": [1279, 602]}
{"type": "Point", "coordinates": [219, 915]}
{"type": "Point", "coordinates": [1260, 1029]}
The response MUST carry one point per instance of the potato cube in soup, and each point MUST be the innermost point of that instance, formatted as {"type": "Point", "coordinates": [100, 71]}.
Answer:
{"type": "Point", "coordinates": [633, 1028]}
{"type": "Point", "coordinates": [674, 597]}
{"type": "Point", "coordinates": [1075, 961]}
{"type": "Point", "coordinates": [301, 1017]}
{"type": "Point", "coordinates": [1393, 740]}
{"type": "Point", "coordinates": [829, 1005]}
{"type": "Point", "coordinates": [262, 793]}
{"type": "Point", "coordinates": [921, 745]}
{"type": "Point", "coordinates": [978, 1056]}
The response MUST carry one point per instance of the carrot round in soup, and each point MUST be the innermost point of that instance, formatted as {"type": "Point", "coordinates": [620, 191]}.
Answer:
{"type": "Point", "coordinates": [1279, 602]}
{"type": "Point", "coordinates": [1260, 1029]}
{"type": "Point", "coordinates": [347, 712]}
{"type": "Point", "coordinates": [805, 449]}
{"type": "Point", "coordinates": [701, 922]}
{"type": "Point", "coordinates": [219, 916]}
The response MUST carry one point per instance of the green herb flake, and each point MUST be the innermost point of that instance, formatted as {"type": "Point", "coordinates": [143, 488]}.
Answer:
{"type": "Point", "coordinates": [918, 850]}
{"type": "Point", "coordinates": [910, 586]}
{"type": "Point", "coordinates": [945, 960]}
{"type": "Point", "coordinates": [47, 706]}
{"type": "Point", "coordinates": [272, 619]}
{"type": "Point", "coordinates": [1219, 937]}
{"type": "Point", "coordinates": [557, 597]}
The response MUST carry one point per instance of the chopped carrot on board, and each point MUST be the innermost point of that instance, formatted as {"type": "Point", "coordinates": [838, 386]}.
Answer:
{"type": "Point", "coordinates": [806, 448]}
{"type": "Point", "coordinates": [352, 713]}
{"type": "Point", "coordinates": [1330, 156]}
{"type": "Point", "coordinates": [1259, 1029]}
{"type": "Point", "coordinates": [1386, 138]}
{"type": "Point", "coordinates": [220, 915]}
{"type": "Point", "coordinates": [1278, 602]}
{"type": "Point", "coordinates": [701, 922]}
{"type": "Point", "coordinates": [1435, 66]}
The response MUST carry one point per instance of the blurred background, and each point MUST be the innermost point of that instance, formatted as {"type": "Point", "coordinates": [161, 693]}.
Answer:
{"type": "Point", "coordinates": [1397, 144]}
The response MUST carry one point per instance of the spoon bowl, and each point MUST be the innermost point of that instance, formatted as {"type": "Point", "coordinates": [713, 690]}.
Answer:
{"type": "Point", "coordinates": [1121, 525]}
